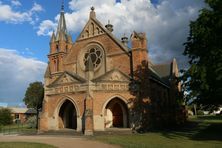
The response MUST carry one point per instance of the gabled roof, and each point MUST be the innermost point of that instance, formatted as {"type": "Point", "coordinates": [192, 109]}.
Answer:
{"type": "Point", "coordinates": [114, 75]}
{"type": "Point", "coordinates": [164, 70]}
{"type": "Point", "coordinates": [154, 75]}
{"type": "Point", "coordinates": [101, 26]}
{"type": "Point", "coordinates": [67, 77]}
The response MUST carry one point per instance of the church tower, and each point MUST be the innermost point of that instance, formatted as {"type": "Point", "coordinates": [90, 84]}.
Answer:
{"type": "Point", "coordinates": [60, 45]}
{"type": "Point", "coordinates": [139, 48]}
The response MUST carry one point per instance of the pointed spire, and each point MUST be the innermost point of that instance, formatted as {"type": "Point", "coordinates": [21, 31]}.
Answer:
{"type": "Point", "coordinates": [62, 36]}
{"type": "Point", "coordinates": [69, 38]}
{"type": "Point", "coordinates": [61, 24]}
{"type": "Point", "coordinates": [52, 37]}
{"type": "Point", "coordinates": [175, 70]}
{"type": "Point", "coordinates": [62, 7]}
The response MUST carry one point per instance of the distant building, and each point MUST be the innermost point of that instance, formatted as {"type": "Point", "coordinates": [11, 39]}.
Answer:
{"type": "Point", "coordinates": [22, 114]}
{"type": "Point", "coordinates": [218, 111]}
{"type": "Point", "coordinates": [87, 81]}
{"type": "Point", "coordinates": [3, 104]}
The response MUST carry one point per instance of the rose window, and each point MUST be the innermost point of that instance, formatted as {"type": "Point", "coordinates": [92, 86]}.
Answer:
{"type": "Point", "coordinates": [96, 56]}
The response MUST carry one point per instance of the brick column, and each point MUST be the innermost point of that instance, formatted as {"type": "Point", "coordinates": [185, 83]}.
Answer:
{"type": "Point", "coordinates": [88, 116]}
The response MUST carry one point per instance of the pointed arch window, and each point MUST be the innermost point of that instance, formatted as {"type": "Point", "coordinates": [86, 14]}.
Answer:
{"type": "Point", "coordinates": [55, 66]}
{"type": "Point", "coordinates": [57, 48]}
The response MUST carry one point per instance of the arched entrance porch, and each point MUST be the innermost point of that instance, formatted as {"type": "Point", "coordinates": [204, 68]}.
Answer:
{"type": "Point", "coordinates": [67, 115]}
{"type": "Point", "coordinates": [116, 114]}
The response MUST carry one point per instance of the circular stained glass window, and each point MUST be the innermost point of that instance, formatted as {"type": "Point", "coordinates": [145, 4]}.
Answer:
{"type": "Point", "coordinates": [96, 56]}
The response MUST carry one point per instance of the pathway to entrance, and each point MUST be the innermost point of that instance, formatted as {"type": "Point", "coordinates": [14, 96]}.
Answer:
{"type": "Point", "coordinates": [58, 141]}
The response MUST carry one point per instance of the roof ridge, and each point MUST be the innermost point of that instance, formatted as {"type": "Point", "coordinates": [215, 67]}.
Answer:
{"type": "Point", "coordinates": [161, 64]}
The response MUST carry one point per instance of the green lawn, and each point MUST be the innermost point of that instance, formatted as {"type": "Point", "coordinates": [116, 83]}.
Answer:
{"type": "Point", "coordinates": [24, 145]}
{"type": "Point", "coordinates": [203, 131]}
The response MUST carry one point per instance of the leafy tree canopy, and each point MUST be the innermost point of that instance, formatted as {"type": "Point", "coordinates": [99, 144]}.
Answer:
{"type": "Point", "coordinates": [34, 95]}
{"type": "Point", "coordinates": [5, 116]}
{"type": "Point", "coordinates": [203, 80]}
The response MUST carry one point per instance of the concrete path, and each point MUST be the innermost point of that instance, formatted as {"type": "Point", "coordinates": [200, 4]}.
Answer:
{"type": "Point", "coordinates": [58, 141]}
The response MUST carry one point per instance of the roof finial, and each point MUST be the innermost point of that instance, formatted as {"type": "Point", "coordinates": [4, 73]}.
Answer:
{"type": "Point", "coordinates": [124, 39]}
{"type": "Point", "coordinates": [92, 13]}
{"type": "Point", "coordinates": [92, 8]}
{"type": "Point", "coordinates": [62, 7]}
{"type": "Point", "coordinates": [109, 26]}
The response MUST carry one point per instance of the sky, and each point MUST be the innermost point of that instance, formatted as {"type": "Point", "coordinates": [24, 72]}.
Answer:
{"type": "Point", "coordinates": [26, 26]}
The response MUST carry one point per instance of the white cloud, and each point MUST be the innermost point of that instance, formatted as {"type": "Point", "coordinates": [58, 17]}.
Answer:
{"type": "Point", "coordinates": [16, 3]}
{"type": "Point", "coordinates": [36, 8]}
{"type": "Point", "coordinates": [166, 24]}
{"type": "Point", "coordinates": [79, 4]}
{"type": "Point", "coordinates": [16, 73]}
{"type": "Point", "coordinates": [7, 14]}
{"type": "Point", "coordinates": [46, 28]}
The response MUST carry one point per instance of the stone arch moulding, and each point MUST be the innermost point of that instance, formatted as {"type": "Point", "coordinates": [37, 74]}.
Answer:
{"type": "Point", "coordinates": [60, 103]}
{"type": "Point", "coordinates": [120, 122]}
{"type": "Point", "coordinates": [100, 44]}
{"type": "Point", "coordinates": [113, 97]}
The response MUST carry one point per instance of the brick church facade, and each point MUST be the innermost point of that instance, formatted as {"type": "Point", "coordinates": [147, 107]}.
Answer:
{"type": "Point", "coordinates": [87, 81]}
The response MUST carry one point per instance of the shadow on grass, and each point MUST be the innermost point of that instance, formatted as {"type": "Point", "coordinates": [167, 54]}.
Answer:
{"type": "Point", "coordinates": [200, 129]}
{"type": "Point", "coordinates": [187, 131]}
{"type": "Point", "coordinates": [211, 132]}
{"type": "Point", "coordinates": [211, 118]}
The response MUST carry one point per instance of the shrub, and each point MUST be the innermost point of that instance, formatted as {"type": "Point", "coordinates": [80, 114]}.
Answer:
{"type": "Point", "coordinates": [1, 127]}
{"type": "Point", "coordinates": [31, 122]}
{"type": "Point", "coordinates": [200, 112]}
{"type": "Point", "coordinates": [5, 116]}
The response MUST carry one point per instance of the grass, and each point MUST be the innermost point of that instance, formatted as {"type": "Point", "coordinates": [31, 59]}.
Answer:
{"type": "Point", "coordinates": [202, 131]}
{"type": "Point", "coordinates": [24, 145]}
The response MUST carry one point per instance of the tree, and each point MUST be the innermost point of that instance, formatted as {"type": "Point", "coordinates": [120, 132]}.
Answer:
{"type": "Point", "coordinates": [5, 116]}
{"type": "Point", "coordinates": [141, 102]}
{"type": "Point", "coordinates": [150, 110]}
{"type": "Point", "coordinates": [203, 80]}
{"type": "Point", "coordinates": [34, 96]}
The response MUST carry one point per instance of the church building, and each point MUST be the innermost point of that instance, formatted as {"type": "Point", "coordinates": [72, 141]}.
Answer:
{"type": "Point", "coordinates": [87, 81]}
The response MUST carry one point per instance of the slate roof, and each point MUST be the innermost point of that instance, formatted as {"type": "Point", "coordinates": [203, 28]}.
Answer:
{"type": "Point", "coordinates": [161, 72]}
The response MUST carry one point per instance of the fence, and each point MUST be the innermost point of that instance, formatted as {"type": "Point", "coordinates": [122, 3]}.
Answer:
{"type": "Point", "coordinates": [17, 129]}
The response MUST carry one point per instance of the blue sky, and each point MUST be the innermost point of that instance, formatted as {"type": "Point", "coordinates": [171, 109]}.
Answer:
{"type": "Point", "coordinates": [22, 36]}
{"type": "Point", "coordinates": [25, 28]}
